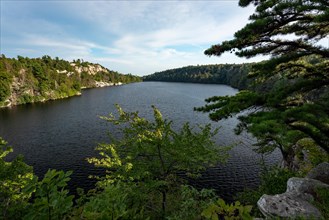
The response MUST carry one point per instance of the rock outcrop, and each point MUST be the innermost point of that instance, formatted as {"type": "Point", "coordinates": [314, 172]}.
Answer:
{"type": "Point", "coordinates": [91, 69]}
{"type": "Point", "coordinates": [320, 172]}
{"type": "Point", "coordinates": [29, 80]}
{"type": "Point", "coordinates": [103, 84]}
{"type": "Point", "coordinates": [297, 200]}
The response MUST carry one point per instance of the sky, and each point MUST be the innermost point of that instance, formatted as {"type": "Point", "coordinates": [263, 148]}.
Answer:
{"type": "Point", "coordinates": [137, 37]}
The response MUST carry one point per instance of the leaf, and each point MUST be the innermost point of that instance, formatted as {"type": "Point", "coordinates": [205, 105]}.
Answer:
{"type": "Point", "coordinates": [210, 211]}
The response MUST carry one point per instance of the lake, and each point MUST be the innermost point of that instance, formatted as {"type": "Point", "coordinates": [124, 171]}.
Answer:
{"type": "Point", "coordinates": [61, 134]}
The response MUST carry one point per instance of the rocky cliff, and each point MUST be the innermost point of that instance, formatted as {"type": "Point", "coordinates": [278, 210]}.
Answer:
{"type": "Point", "coordinates": [28, 80]}
{"type": "Point", "coordinates": [300, 199]}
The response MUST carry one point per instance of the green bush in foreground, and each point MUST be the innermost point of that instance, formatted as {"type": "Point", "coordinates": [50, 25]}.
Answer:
{"type": "Point", "coordinates": [51, 198]}
{"type": "Point", "coordinates": [23, 197]}
{"type": "Point", "coordinates": [151, 154]}
{"type": "Point", "coordinates": [322, 197]}
{"type": "Point", "coordinates": [15, 176]}
{"type": "Point", "coordinates": [221, 210]}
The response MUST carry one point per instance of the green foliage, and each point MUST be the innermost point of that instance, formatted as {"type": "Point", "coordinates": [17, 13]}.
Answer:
{"type": "Point", "coordinates": [26, 98]}
{"type": "Point", "coordinates": [274, 19]}
{"type": "Point", "coordinates": [221, 210]}
{"type": "Point", "coordinates": [5, 81]}
{"type": "Point", "coordinates": [153, 153]}
{"type": "Point", "coordinates": [26, 80]}
{"type": "Point", "coordinates": [127, 200]}
{"type": "Point", "coordinates": [129, 78]}
{"type": "Point", "coordinates": [234, 75]}
{"type": "Point", "coordinates": [290, 96]}
{"type": "Point", "coordinates": [143, 178]}
{"type": "Point", "coordinates": [322, 201]}
{"type": "Point", "coordinates": [15, 176]}
{"type": "Point", "coordinates": [87, 80]}
{"type": "Point", "coordinates": [155, 146]}
{"type": "Point", "coordinates": [273, 181]}
{"type": "Point", "coordinates": [18, 186]}
{"type": "Point", "coordinates": [190, 202]}
{"type": "Point", "coordinates": [115, 201]}
{"type": "Point", "coordinates": [225, 106]}
{"type": "Point", "coordinates": [51, 199]}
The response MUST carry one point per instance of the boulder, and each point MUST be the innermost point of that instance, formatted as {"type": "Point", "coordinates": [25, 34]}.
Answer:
{"type": "Point", "coordinates": [320, 172]}
{"type": "Point", "coordinates": [287, 205]}
{"type": "Point", "coordinates": [304, 187]}
{"type": "Point", "coordinates": [296, 201]}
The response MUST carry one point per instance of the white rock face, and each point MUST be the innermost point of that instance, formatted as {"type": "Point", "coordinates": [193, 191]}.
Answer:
{"type": "Point", "coordinates": [296, 201]}
{"type": "Point", "coordinates": [103, 84]}
{"type": "Point", "coordinates": [287, 205]}
{"type": "Point", "coordinates": [90, 69]}
{"type": "Point", "coordinates": [63, 71]}
{"type": "Point", "coordinates": [19, 83]}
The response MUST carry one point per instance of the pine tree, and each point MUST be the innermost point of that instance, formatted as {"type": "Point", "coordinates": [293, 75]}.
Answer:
{"type": "Point", "coordinates": [290, 98]}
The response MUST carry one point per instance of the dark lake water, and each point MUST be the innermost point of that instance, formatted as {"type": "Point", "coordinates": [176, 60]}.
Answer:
{"type": "Point", "coordinates": [61, 134]}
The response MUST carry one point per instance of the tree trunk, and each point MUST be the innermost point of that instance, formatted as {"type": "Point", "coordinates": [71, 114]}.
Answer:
{"type": "Point", "coordinates": [288, 159]}
{"type": "Point", "coordinates": [164, 203]}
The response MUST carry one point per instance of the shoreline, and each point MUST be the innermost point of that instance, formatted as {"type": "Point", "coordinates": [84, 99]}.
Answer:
{"type": "Point", "coordinates": [98, 85]}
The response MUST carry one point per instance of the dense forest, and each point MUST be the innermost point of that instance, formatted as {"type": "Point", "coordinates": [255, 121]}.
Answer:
{"type": "Point", "coordinates": [234, 75]}
{"type": "Point", "coordinates": [27, 80]}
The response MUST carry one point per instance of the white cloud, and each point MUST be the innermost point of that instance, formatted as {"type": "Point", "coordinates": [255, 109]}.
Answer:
{"type": "Point", "coordinates": [110, 60]}
{"type": "Point", "coordinates": [140, 37]}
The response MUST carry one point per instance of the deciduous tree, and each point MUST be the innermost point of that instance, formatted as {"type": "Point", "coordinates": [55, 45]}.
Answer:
{"type": "Point", "coordinates": [152, 154]}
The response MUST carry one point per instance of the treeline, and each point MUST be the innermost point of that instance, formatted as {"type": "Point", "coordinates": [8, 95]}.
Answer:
{"type": "Point", "coordinates": [26, 80]}
{"type": "Point", "coordinates": [234, 75]}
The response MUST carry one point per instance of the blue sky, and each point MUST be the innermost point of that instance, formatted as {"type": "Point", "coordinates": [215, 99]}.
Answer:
{"type": "Point", "coordinates": [138, 37]}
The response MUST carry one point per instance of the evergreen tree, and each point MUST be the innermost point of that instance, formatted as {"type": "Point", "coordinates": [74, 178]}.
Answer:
{"type": "Point", "coordinates": [290, 96]}
{"type": "Point", "coordinates": [234, 75]}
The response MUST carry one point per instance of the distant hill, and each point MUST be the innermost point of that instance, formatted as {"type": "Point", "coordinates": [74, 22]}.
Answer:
{"type": "Point", "coordinates": [26, 80]}
{"type": "Point", "coordinates": [234, 75]}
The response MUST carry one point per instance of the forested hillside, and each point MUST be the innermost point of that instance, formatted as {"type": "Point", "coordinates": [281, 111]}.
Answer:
{"type": "Point", "coordinates": [234, 75]}
{"type": "Point", "coordinates": [26, 80]}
